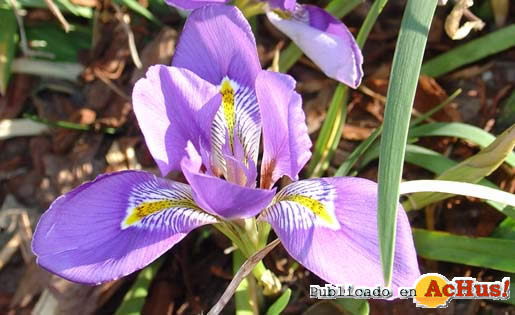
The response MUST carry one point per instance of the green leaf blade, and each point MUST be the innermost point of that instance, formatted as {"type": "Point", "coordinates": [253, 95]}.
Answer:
{"type": "Point", "coordinates": [401, 93]}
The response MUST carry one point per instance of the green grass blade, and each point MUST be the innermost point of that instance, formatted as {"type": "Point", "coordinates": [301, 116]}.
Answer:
{"type": "Point", "coordinates": [330, 133]}
{"type": "Point", "coordinates": [64, 5]}
{"type": "Point", "coordinates": [134, 299]}
{"type": "Point", "coordinates": [438, 163]}
{"type": "Point", "coordinates": [406, 65]}
{"type": "Point", "coordinates": [485, 252]}
{"type": "Point", "coordinates": [505, 230]}
{"type": "Point", "coordinates": [292, 53]}
{"type": "Point", "coordinates": [471, 170]}
{"type": "Point", "coordinates": [63, 46]}
{"type": "Point", "coordinates": [280, 304]}
{"type": "Point", "coordinates": [354, 307]}
{"type": "Point", "coordinates": [472, 51]}
{"type": "Point", "coordinates": [368, 143]}
{"type": "Point", "coordinates": [141, 10]}
{"type": "Point", "coordinates": [458, 130]}
{"type": "Point", "coordinates": [346, 166]}
{"type": "Point", "coordinates": [8, 39]}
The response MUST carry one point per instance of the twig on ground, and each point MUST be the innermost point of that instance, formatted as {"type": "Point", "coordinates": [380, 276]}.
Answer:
{"type": "Point", "coordinates": [125, 21]}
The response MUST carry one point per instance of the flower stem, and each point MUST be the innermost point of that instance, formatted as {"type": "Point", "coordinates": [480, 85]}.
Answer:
{"type": "Point", "coordinates": [244, 235]}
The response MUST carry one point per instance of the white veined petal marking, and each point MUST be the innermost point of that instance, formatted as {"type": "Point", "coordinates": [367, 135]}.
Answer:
{"type": "Point", "coordinates": [304, 204]}
{"type": "Point", "coordinates": [153, 207]}
{"type": "Point", "coordinates": [238, 115]}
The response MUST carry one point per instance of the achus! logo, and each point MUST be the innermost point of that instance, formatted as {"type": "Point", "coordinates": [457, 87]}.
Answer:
{"type": "Point", "coordinates": [434, 290]}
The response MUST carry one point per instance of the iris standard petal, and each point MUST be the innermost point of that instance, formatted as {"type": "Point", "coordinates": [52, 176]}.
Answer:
{"type": "Point", "coordinates": [174, 105]}
{"type": "Point", "coordinates": [286, 141]}
{"type": "Point", "coordinates": [114, 225]}
{"type": "Point", "coordinates": [220, 197]}
{"type": "Point", "coordinates": [217, 42]}
{"type": "Point", "coordinates": [330, 226]}
{"type": "Point", "coordinates": [325, 40]}
{"type": "Point", "coordinates": [288, 5]}
{"type": "Point", "coordinates": [193, 4]}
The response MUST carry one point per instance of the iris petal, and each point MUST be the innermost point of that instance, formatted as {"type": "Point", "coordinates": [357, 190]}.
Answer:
{"type": "Point", "coordinates": [114, 225]}
{"type": "Point", "coordinates": [288, 5]}
{"type": "Point", "coordinates": [286, 141]}
{"type": "Point", "coordinates": [330, 226]}
{"type": "Point", "coordinates": [217, 42]}
{"type": "Point", "coordinates": [172, 106]}
{"type": "Point", "coordinates": [220, 197]}
{"type": "Point", "coordinates": [192, 4]}
{"type": "Point", "coordinates": [325, 40]}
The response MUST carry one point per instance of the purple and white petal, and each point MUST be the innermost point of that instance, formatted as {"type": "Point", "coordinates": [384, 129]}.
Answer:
{"type": "Point", "coordinates": [173, 106]}
{"type": "Point", "coordinates": [193, 4]}
{"type": "Point", "coordinates": [325, 40]}
{"type": "Point", "coordinates": [329, 225]}
{"type": "Point", "coordinates": [217, 42]}
{"type": "Point", "coordinates": [112, 226]}
{"type": "Point", "coordinates": [286, 143]}
{"type": "Point", "coordinates": [238, 120]}
{"type": "Point", "coordinates": [288, 5]}
{"type": "Point", "coordinates": [220, 197]}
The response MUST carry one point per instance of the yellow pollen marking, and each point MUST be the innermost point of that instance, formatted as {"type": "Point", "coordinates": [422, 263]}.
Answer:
{"type": "Point", "coordinates": [147, 208]}
{"type": "Point", "coordinates": [314, 205]}
{"type": "Point", "coordinates": [227, 92]}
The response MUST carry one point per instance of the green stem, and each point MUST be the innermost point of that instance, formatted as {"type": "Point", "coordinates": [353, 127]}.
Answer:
{"type": "Point", "coordinates": [68, 124]}
{"type": "Point", "coordinates": [248, 245]}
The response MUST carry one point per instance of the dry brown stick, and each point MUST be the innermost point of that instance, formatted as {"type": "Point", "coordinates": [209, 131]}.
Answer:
{"type": "Point", "coordinates": [125, 21]}
{"type": "Point", "coordinates": [9, 249]}
{"type": "Point", "coordinates": [57, 13]}
{"type": "Point", "coordinates": [244, 271]}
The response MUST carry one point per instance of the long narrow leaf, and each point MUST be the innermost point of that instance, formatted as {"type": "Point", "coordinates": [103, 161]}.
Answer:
{"type": "Point", "coordinates": [479, 251]}
{"type": "Point", "coordinates": [458, 130]}
{"type": "Point", "coordinates": [280, 304]}
{"type": "Point", "coordinates": [472, 51]}
{"type": "Point", "coordinates": [406, 65]}
{"type": "Point", "coordinates": [8, 39]}
{"type": "Point", "coordinates": [134, 299]}
{"type": "Point", "coordinates": [472, 169]}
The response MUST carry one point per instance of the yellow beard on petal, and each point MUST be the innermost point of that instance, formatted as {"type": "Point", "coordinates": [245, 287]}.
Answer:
{"type": "Point", "coordinates": [315, 206]}
{"type": "Point", "coordinates": [145, 209]}
{"type": "Point", "coordinates": [227, 91]}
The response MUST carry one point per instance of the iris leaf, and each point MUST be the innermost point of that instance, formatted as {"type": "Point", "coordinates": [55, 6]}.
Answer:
{"type": "Point", "coordinates": [8, 39]}
{"type": "Point", "coordinates": [64, 5]}
{"type": "Point", "coordinates": [141, 10]}
{"type": "Point", "coordinates": [470, 170]}
{"type": "Point", "coordinates": [134, 299]}
{"type": "Point", "coordinates": [280, 304]}
{"type": "Point", "coordinates": [474, 251]}
{"type": "Point", "coordinates": [410, 48]}
{"type": "Point", "coordinates": [477, 49]}
{"type": "Point", "coordinates": [458, 130]}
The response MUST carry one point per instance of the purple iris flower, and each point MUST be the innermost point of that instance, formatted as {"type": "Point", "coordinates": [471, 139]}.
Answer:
{"type": "Point", "coordinates": [321, 36]}
{"type": "Point", "coordinates": [205, 115]}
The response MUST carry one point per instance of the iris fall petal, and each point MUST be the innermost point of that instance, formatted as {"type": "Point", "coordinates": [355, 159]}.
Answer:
{"type": "Point", "coordinates": [330, 226]}
{"type": "Point", "coordinates": [114, 225]}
